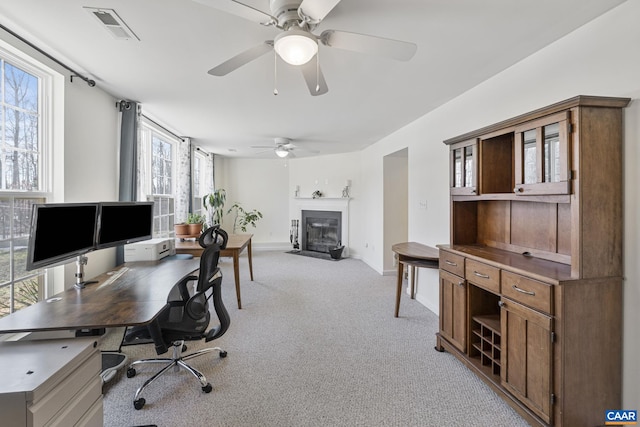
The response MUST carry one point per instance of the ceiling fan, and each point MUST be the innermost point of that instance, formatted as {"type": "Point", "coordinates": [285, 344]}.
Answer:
{"type": "Point", "coordinates": [296, 44]}
{"type": "Point", "coordinates": [283, 148]}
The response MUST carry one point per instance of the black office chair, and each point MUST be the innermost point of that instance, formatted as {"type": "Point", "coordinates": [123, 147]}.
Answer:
{"type": "Point", "coordinates": [186, 316]}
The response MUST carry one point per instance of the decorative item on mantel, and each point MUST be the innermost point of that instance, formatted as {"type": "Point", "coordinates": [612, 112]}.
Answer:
{"type": "Point", "coordinates": [316, 194]}
{"type": "Point", "coordinates": [296, 193]}
{"type": "Point", "coordinates": [345, 190]}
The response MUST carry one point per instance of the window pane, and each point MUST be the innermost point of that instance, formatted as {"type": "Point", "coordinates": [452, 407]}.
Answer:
{"type": "Point", "coordinates": [20, 258]}
{"type": "Point", "coordinates": [530, 168]}
{"type": "Point", "coordinates": [21, 170]}
{"type": "Point", "coordinates": [468, 167]}
{"type": "Point", "coordinates": [21, 129]}
{"type": "Point", "coordinates": [552, 153]}
{"type": "Point", "coordinates": [457, 178]}
{"type": "Point", "coordinates": [26, 293]}
{"type": "Point", "coordinates": [5, 300]}
{"type": "Point", "coordinates": [5, 261]}
{"type": "Point", "coordinates": [5, 219]}
{"type": "Point", "coordinates": [20, 88]}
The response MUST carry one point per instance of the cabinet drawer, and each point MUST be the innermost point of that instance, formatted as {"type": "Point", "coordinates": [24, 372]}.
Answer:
{"type": "Point", "coordinates": [483, 275]}
{"type": "Point", "coordinates": [452, 263]}
{"type": "Point", "coordinates": [527, 291]}
{"type": "Point", "coordinates": [84, 376]}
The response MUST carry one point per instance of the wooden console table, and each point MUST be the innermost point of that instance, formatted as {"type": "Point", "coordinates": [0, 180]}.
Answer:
{"type": "Point", "coordinates": [415, 255]}
{"type": "Point", "coordinates": [235, 245]}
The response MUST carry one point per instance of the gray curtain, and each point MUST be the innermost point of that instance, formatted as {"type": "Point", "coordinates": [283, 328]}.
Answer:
{"type": "Point", "coordinates": [130, 116]}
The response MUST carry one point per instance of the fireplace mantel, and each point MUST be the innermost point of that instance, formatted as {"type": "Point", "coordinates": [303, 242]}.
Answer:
{"type": "Point", "coordinates": [339, 204]}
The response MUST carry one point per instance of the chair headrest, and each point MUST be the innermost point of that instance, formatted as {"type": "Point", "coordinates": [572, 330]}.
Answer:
{"type": "Point", "coordinates": [214, 235]}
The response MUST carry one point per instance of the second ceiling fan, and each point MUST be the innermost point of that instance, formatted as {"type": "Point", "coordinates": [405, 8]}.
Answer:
{"type": "Point", "coordinates": [296, 44]}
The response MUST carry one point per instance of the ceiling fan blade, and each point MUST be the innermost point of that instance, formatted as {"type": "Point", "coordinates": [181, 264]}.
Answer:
{"type": "Point", "coordinates": [317, 9]}
{"type": "Point", "coordinates": [394, 49]}
{"type": "Point", "coordinates": [240, 9]}
{"type": "Point", "coordinates": [315, 79]}
{"type": "Point", "coordinates": [241, 59]}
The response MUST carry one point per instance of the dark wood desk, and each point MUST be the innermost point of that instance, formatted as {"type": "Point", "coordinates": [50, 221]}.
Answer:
{"type": "Point", "coordinates": [135, 298]}
{"type": "Point", "coordinates": [415, 255]}
{"type": "Point", "coordinates": [235, 245]}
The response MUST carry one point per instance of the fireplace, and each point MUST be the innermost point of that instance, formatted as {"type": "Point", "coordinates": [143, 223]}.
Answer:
{"type": "Point", "coordinates": [340, 208]}
{"type": "Point", "coordinates": [320, 230]}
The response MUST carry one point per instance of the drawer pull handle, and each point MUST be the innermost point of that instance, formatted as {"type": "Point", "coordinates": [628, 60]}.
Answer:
{"type": "Point", "coordinates": [522, 291]}
{"type": "Point", "coordinates": [451, 263]}
{"type": "Point", "coordinates": [484, 276]}
{"type": "Point", "coordinates": [461, 283]}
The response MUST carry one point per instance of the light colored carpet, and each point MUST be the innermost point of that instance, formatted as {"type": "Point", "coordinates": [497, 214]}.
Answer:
{"type": "Point", "coordinates": [315, 344]}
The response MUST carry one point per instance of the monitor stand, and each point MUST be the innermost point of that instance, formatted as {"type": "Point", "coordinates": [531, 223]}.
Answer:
{"type": "Point", "coordinates": [81, 261]}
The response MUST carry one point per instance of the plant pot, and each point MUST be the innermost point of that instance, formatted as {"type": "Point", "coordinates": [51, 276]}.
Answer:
{"type": "Point", "coordinates": [181, 229]}
{"type": "Point", "coordinates": [195, 229]}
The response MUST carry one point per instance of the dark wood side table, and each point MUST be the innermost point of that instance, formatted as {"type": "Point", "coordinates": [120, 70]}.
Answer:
{"type": "Point", "coordinates": [415, 255]}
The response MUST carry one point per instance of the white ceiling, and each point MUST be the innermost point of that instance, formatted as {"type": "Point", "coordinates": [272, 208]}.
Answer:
{"type": "Point", "coordinates": [460, 44]}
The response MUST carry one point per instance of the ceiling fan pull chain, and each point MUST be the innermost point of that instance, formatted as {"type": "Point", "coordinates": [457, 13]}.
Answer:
{"type": "Point", "coordinates": [275, 72]}
{"type": "Point", "coordinates": [318, 71]}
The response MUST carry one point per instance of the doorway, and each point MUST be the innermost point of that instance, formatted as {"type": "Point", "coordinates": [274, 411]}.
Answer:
{"type": "Point", "coordinates": [396, 204]}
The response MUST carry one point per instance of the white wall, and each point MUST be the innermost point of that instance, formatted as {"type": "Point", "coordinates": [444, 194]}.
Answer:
{"type": "Point", "coordinates": [261, 185]}
{"type": "Point", "coordinates": [598, 59]}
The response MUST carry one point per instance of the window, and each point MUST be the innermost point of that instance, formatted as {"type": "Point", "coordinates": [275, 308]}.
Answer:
{"type": "Point", "coordinates": [157, 155]}
{"type": "Point", "coordinates": [23, 178]}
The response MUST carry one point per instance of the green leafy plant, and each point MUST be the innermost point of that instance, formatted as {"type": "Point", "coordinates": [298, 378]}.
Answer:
{"type": "Point", "coordinates": [214, 204]}
{"type": "Point", "coordinates": [244, 218]}
{"type": "Point", "coordinates": [194, 218]}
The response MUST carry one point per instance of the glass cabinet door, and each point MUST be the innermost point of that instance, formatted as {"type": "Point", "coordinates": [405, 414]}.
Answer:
{"type": "Point", "coordinates": [464, 168]}
{"type": "Point", "coordinates": [542, 156]}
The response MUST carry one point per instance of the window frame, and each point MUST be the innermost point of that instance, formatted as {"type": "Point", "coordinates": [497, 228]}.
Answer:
{"type": "Point", "coordinates": [44, 191]}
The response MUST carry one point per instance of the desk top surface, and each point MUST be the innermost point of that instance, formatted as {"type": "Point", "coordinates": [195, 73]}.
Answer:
{"type": "Point", "coordinates": [416, 250]}
{"type": "Point", "coordinates": [235, 242]}
{"type": "Point", "coordinates": [134, 298]}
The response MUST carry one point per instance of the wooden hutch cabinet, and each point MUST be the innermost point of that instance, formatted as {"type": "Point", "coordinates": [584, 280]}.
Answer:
{"type": "Point", "coordinates": [531, 284]}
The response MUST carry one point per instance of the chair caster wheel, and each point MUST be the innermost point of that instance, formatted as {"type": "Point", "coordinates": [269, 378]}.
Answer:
{"type": "Point", "coordinates": [139, 404]}
{"type": "Point", "coordinates": [223, 354]}
{"type": "Point", "coordinates": [184, 348]}
{"type": "Point", "coordinates": [131, 372]}
{"type": "Point", "coordinates": [207, 388]}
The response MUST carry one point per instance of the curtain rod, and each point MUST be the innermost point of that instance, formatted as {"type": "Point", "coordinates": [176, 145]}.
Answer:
{"type": "Point", "coordinates": [90, 82]}
{"type": "Point", "coordinates": [181, 138]}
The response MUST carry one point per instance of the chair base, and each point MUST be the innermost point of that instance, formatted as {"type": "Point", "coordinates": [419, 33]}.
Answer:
{"type": "Point", "coordinates": [177, 361]}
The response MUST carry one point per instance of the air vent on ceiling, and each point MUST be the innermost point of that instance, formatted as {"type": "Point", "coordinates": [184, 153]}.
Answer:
{"type": "Point", "coordinates": [113, 23]}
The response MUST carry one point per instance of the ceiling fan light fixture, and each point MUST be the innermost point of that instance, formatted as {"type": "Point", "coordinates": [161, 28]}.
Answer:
{"type": "Point", "coordinates": [296, 46]}
{"type": "Point", "coordinates": [282, 152]}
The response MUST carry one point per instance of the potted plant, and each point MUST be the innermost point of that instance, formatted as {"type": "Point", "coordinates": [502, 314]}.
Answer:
{"type": "Point", "coordinates": [181, 229]}
{"type": "Point", "coordinates": [244, 218]}
{"type": "Point", "coordinates": [214, 203]}
{"type": "Point", "coordinates": [195, 223]}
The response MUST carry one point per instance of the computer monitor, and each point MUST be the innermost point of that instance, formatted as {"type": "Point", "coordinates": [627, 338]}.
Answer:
{"type": "Point", "coordinates": [120, 223]}
{"type": "Point", "coordinates": [60, 232]}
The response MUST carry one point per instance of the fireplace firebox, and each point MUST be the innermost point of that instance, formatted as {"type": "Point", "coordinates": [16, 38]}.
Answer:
{"type": "Point", "coordinates": [321, 230]}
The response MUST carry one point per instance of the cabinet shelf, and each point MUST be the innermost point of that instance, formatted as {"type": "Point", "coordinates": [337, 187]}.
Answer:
{"type": "Point", "coordinates": [486, 341]}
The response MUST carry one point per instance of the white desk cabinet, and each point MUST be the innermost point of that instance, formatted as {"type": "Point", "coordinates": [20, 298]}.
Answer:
{"type": "Point", "coordinates": [51, 383]}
